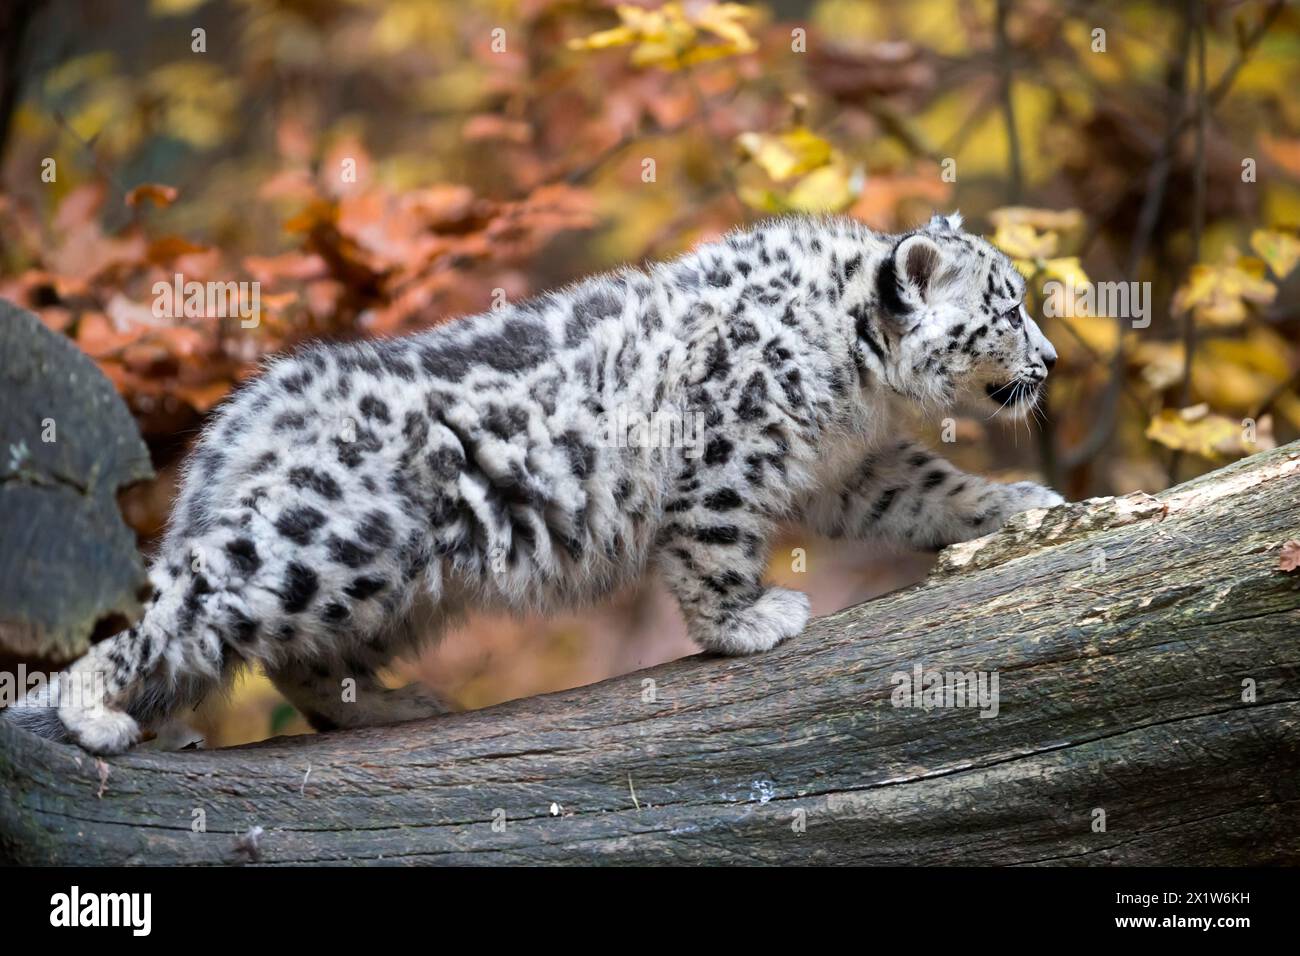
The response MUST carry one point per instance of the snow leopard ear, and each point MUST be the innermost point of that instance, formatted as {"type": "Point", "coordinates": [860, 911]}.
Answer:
{"type": "Point", "coordinates": [907, 276]}
{"type": "Point", "coordinates": [917, 261]}
{"type": "Point", "coordinates": [942, 223]}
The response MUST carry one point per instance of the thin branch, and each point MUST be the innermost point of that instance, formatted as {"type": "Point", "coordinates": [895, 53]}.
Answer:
{"type": "Point", "coordinates": [1148, 218]}
{"type": "Point", "coordinates": [1015, 183]}
{"type": "Point", "coordinates": [1197, 12]}
{"type": "Point", "coordinates": [1221, 88]}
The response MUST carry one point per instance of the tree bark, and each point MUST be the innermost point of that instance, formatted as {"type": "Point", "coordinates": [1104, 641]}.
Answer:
{"type": "Point", "coordinates": [1149, 708]}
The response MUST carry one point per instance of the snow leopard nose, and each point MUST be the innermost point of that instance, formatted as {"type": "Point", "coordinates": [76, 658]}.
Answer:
{"type": "Point", "coordinates": [1046, 353]}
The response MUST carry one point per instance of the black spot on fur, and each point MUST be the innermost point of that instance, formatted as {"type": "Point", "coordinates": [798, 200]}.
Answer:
{"type": "Point", "coordinates": [243, 627]}
{"type": "Point", "coordinates": [446, 360]}
{"type": "Point", "coordinates": [863, 326]}
{"type": "Point", "coordinates": [851, 266]}
{"type": "Point", "coordinates": [753, 399]}
{"type": "Point", "coordinates": [717, 451]}
{"type": "Point", "coordinates": [375, 408]}
{"type": "Point", "coordinates": [316, 480]}
{"type": "Point", "coordinates": [296, 382]}
{"type": "Point", "coordinates": [352, 453]}
{"type": "Point", "coordinates": [376, 529]}
{"type": "Point", "coordinates": [933, 479]}
{"type": "Point", "coordinates": [335, 612]}
{"type": "Point", "coordinates": [300, 585]}
{"type": "Point", "coordinates": [883, 502]}
{"type": "Point", "coordinates": [365, 587]}
{"type": "Point", "coordinates": [299, 523]}
{"type": "Point", "coordinates": [717, 534]}
{"type": "Point", "coordinates": [446, 463]}
{"type": "Point", "coordinates": [724, 500]}
{"type": "Point", "coordinates": [348, 553]}
{"type": "Point", "coordinates": [582, 457]}
{"type": "Point", "coordinates": [264, 461]}
{"type": "Point", "coordinates": [243, 553]}
{"type": "Point", "coordinates": [520, 345]}
{"type": "Point", "coordinates": [742, 332]}
{"type": "Point", "coordinates": [601, 304]}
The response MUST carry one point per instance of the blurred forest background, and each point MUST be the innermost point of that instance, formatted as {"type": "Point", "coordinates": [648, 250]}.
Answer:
{"type": "Point", "coordinates": [380, 167]}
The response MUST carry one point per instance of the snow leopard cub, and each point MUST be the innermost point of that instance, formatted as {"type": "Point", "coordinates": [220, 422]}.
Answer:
{"type": "Point", "coordinates": [355, 498]}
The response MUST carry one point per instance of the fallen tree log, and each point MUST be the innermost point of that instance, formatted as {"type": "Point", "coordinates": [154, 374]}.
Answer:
{"type": "Point", "coordinates": [1148, 712]}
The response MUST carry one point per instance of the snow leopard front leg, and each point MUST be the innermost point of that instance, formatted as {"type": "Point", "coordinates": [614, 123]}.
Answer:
{"type": "Point", "coordinates": [711, 552]}
{"type": "Point", "coordinates": [905, 493]}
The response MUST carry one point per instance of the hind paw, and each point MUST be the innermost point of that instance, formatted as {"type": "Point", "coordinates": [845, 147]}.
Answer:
{"type": "Point", "coordinates": [104, 731]}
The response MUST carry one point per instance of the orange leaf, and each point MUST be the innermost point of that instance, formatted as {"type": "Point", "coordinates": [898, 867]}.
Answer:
{"type": "Point", "coordinates": [158, 194]}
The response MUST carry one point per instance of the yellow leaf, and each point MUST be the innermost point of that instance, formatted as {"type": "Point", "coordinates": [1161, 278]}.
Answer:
{"type": "Point", "coordinates": [1205, 433]}
{"type": "Point", "coordinates": [823, 190]}
{"type": "Point", "coordinates": [1022, 241]}
{"type": "Point", "coordinates": [1279, 250]}
{"type": "Point", "coordinates": [1048, 220]}
{"type": "Point", "coordinates": [671, 38]}
{"type": "Point", "coordinates": [173, 8]}
{"type": "Point", "coordinates": [1161, 363]}
{"type": "Point", "coordinates": [1217, 294]}
{"type": "Point", "coordinates": [1066, 270]}
{"type": "Point", "coordinates": [1100, 333]}
{"type": "Point", "coordinates": [788, 154]}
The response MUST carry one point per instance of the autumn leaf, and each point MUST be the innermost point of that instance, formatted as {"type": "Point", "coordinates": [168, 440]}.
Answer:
{"type": "Point", "coordinates": [823, 190]}
{"type": "Point", "coordinates": [1218, 294]}
{"type": "Point", "coordinates": [156, 193]}
{"type": "Point", "coordinates": [1045, 220]}
{"type": "Point", "coordinates": [1022, 241]}
{"type": "Point", "coordinates": [787, 154]}
{"type": "Point", "coordinates": [1208, 434]}
{"type": "Point", "coordinates": [1289, 558]}
{"type": "Point", "coordinates": [793, 171]}
{"type": "Point", "coordinates": [670, 37]}
{"type": "Point", "coordinates": [1280, 250]}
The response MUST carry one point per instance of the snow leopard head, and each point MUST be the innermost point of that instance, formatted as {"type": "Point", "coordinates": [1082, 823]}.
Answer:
{"type": "Point", "coordinates": [955, 306]}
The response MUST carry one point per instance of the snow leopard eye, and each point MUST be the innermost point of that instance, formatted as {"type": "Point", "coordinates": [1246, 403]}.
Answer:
{"type": "Point", "coordinates": [1012, 315]}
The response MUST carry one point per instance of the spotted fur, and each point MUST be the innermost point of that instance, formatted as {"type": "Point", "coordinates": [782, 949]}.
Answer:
{"type": "Point", "coordinates": [356, 497]}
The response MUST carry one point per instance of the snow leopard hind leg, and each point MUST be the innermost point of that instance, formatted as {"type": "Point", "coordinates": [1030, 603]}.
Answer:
{"type": "Point", "coordinates": [346, 691]}
{"type": "Point", "coordinates": [285, 583]}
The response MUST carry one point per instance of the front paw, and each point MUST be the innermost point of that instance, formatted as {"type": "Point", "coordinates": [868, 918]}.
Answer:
{"type": "Point", "coordinates": [778, 615]}
{"type": "Point", "coordinates": [1024, 495]}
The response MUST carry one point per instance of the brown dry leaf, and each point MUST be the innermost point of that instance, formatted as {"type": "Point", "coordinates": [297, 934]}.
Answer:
{"type": "Point", "coordinates": [1284, 152]}
{"type": "Point", "coordinates": [156, 193]}
{"type": "Point", "coordinates": [490, 126]}
{"type": "Point", "coordinates": [98, 337]}
{"type": "Point", "coordinates": [202, 397]}
{"type": "Point", "coordinates": [1289, 558]}
{"type": "Point", "coordinates": [878, 203]}
{"type": "Point", "coordinates": [166, 248]}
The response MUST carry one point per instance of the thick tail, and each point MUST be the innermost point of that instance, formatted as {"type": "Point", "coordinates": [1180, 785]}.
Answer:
{"type": "Point", "coordinates": [78, 706]}
{"type": "Point", "coordinates": [38, 713]}
{"type": "Point", "coordinates": [135, 680]}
